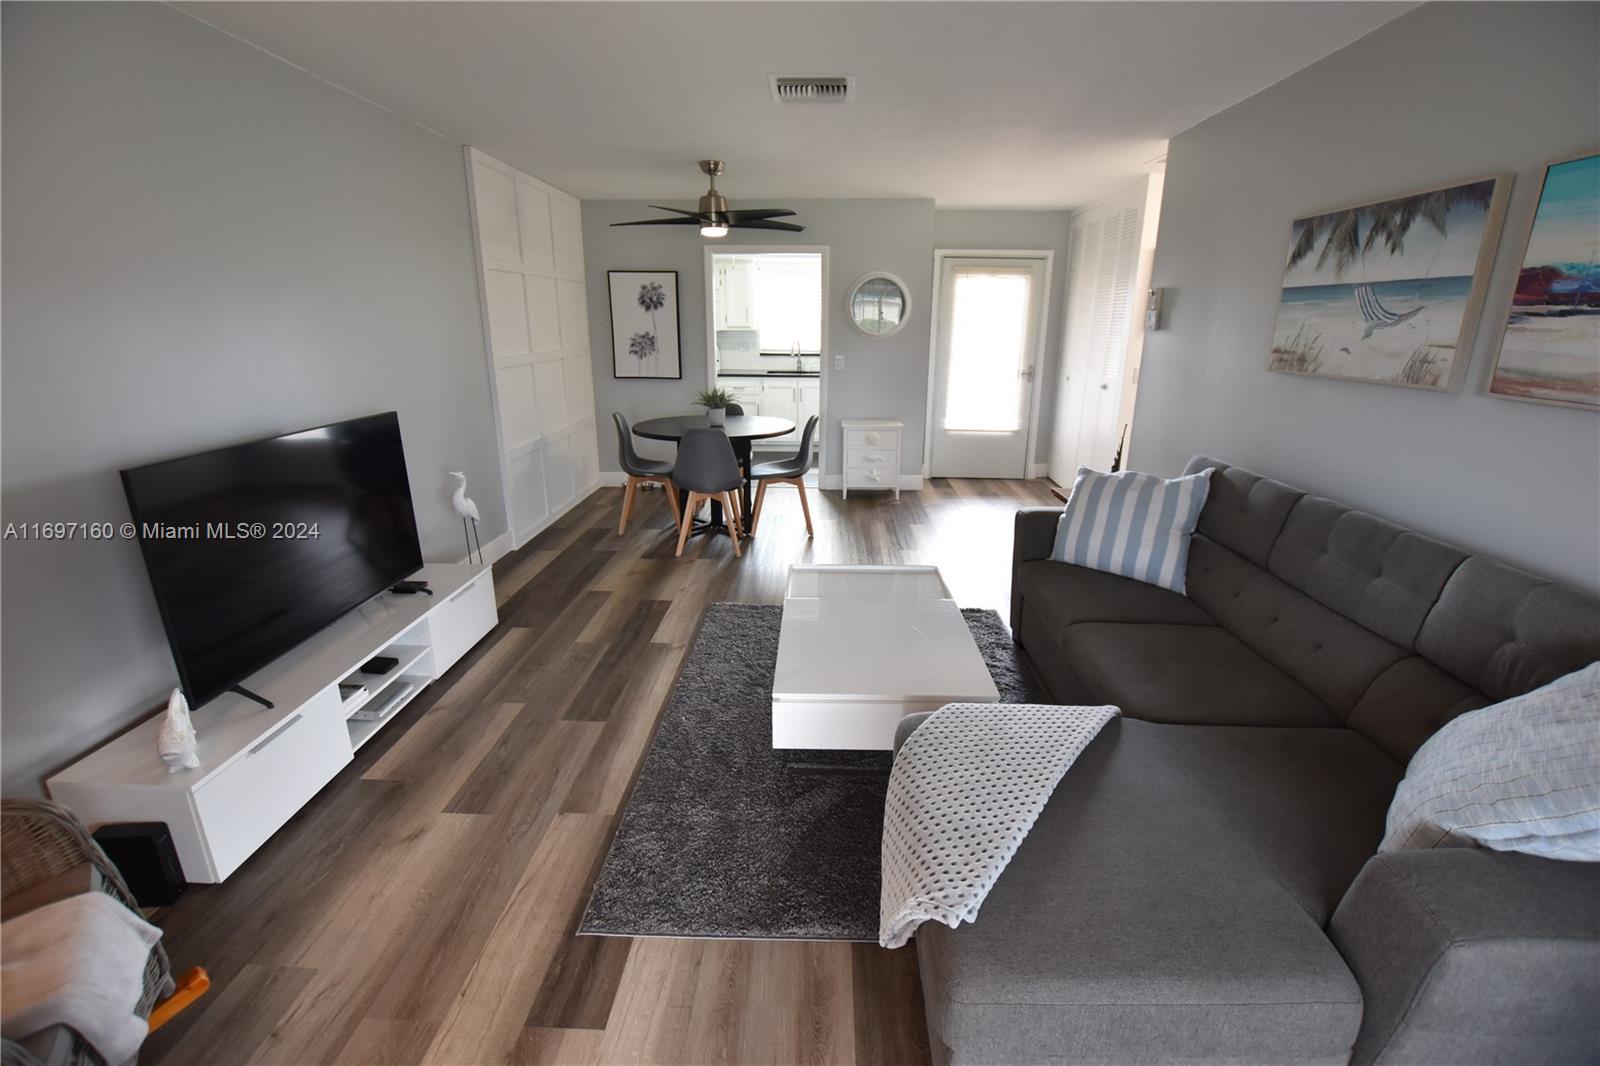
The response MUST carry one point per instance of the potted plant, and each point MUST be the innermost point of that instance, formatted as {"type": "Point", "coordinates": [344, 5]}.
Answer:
{"type": "Point", "coordinates": [716, 402]}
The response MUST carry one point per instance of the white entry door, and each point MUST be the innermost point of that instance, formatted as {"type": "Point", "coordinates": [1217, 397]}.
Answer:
{"type": "Point", "coordinates": [989, 323]}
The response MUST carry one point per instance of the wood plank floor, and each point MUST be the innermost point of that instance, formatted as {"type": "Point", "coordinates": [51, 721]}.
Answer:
{"type": "Point", "coordinates": [422, 908]}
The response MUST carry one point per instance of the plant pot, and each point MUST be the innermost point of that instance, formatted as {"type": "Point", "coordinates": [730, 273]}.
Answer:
{"type": "Point", "coordinates": [717, 416]}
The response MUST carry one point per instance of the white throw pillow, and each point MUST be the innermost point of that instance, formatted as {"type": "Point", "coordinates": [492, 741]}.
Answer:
{"type": "Point", "coordinates": [1522, 775]}
{"type": "Point", "coordinates": [1130, 524]}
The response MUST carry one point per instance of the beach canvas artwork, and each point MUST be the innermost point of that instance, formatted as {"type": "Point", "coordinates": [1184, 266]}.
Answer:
{"type": "Point", "coordinates": [1390, 291]}
{"type": "Point", "coordinates": [644, 324]}
{"type": "Point", "coordinates": [1550, 352]}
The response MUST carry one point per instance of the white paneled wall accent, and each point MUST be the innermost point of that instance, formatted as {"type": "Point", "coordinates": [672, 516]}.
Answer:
{"type": "Point", "coordinates": [530, 261]}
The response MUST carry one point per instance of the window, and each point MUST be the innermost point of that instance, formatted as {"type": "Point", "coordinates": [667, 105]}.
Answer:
{"type": "Point", "coordinates": [787, 302]}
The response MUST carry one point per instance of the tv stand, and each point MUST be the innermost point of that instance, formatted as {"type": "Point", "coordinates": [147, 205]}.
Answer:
{"type": "Point", "coordinates": [247, 694]}
{"type": "Point", "coordinates": [262, 760]}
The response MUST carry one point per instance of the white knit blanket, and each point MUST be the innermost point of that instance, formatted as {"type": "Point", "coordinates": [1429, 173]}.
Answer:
{"type": "Point", "coordinates": [966, 788]}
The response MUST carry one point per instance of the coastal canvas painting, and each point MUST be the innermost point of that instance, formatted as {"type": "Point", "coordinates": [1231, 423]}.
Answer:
{"type": "Point", "coordinates": [644, 324]}
{"type": "Point", "coordinates": [1391, 291]}
{"type": "Point", "coordinates": [1551, 349]}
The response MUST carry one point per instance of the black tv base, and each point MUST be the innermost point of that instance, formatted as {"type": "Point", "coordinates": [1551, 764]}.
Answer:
{"type": "Point", "coordinates": [247, 694]}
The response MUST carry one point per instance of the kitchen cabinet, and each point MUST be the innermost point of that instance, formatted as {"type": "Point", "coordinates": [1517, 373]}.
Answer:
{"type": "Point", "coordinates": [782, 399]}
{"type": "Point", "coordinates": [735, 295]}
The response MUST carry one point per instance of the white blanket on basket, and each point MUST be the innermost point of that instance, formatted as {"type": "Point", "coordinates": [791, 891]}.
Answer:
{"type": "Point", "coordinates": [966, 788]}
{"type": "Point", "coordinates": [78, 962]}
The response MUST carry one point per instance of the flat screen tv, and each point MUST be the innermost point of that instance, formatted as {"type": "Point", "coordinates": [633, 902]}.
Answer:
{"type": "Point", "coordinates": [254, 548]}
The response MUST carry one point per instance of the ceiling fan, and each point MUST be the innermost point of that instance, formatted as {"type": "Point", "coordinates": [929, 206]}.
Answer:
{"type": "Point", "coordinates": [713, 216]}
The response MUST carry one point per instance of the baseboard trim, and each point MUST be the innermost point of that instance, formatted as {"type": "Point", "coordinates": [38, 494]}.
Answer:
{"type": "Point", "coordinates": [1038, 470]}
{"type": "Point", "coordinates": [612, 479]}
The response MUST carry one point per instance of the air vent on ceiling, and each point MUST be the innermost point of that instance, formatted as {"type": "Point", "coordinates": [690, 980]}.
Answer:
{"type": "Point", "coordinates": [788, 89]}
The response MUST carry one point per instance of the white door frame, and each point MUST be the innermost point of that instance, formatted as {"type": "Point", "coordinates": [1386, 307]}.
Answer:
{"type": "Point", "coordinates": [1041, 348]}
{"type": "Point", "coordinates": [711, 328]}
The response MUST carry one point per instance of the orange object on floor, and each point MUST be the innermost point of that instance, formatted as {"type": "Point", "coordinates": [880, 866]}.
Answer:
{"type": "Point", "coordinates": [191, 985]}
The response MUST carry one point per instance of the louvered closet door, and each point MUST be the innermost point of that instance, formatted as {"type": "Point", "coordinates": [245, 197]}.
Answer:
{"type": "Point", "coordinates": [530, 249]}
{"type": "Point", "coordinates": [1103, 265]}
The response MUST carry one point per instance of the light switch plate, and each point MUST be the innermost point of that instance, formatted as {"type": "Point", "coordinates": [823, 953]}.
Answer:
{"type": "Point", "coordinates": [838, 362]}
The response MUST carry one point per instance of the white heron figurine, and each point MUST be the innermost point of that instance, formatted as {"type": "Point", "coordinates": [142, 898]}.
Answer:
{"type": "Point", "coordinates": [468, 510]}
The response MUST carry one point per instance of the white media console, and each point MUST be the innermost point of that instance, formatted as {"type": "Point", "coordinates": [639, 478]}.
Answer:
{"type": "Point", "coordinates": [258, 766]}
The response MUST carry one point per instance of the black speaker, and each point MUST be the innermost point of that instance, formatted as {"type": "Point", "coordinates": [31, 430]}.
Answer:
{"type": "Point", "coordinates": [143, 853]}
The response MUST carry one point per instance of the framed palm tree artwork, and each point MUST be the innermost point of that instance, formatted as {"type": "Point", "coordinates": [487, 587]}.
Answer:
{"type": "Point", "coordinates": [644, 324]}
{"type": "Point", "coordinates": [1390, 291]}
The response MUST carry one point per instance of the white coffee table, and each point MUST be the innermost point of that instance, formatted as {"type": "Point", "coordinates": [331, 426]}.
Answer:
{"type": "Point", "coordinates": [862, 647]}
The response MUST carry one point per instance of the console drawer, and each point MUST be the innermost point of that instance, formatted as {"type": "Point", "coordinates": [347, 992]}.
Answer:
{"type": "Point", "coordinates": [461, 621]}
{"type": "Point", "coordinates": [250, 799]}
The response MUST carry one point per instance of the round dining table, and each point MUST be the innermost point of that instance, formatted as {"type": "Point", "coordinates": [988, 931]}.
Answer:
{"type": "Point", "coordinates": [742, 430]}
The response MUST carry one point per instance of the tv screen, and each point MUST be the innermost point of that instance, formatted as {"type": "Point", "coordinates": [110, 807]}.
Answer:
{"type": "Point", "coordinates": [252, 549]}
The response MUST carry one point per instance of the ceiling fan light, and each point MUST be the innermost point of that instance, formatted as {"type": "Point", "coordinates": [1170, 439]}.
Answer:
{"type": "Point", "coordinates": [714, 230]}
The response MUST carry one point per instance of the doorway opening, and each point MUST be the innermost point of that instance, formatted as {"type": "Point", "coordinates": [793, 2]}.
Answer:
{"type": "Point", "coordinates": [766, 322]}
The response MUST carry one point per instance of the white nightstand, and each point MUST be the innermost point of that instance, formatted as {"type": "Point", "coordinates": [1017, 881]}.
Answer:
{"type": "Point", "coordinates": [872, 454]}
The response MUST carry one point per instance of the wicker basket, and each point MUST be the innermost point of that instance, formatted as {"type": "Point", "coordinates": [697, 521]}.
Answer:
{"type": "Point", "coordinates": [40, 840]}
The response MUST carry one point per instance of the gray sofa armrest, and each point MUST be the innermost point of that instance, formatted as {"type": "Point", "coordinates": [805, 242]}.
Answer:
{"type": "Point", "coordinates": [1471, 955]}
{"type": "Point", "coordinates": [1033, 537]}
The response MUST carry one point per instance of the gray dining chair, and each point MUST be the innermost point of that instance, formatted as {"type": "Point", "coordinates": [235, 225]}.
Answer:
{"type": "Point", "coordinates": [708, 470]}
{"type": "Point", "coordinates": [788, 471]}
{"type": "Point", "coordinates": [639, 471]}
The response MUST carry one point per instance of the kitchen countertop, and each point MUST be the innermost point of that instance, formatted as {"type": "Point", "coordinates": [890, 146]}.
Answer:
{"type": "Point", "coordinates": [769, 373]}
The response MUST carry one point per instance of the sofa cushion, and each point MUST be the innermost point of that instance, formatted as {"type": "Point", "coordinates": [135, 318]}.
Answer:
{"type": "Point", "coordinates": [1505, 632]}
{"type": "Point", "coordinates": [1333, 657]}
{"type": "Point", "coordinates": [1244, 511]}
{"type": "Point", "coordinates": [1407, 703]}
{"type": "Point", "coordinates": [1139, 922]}
{"type": "Point", "coordinates": [1370, 571]}
{"type": "Point", "coordinates": [1063, 594]}
{"type": "Point", "coordinates": [1186, 674]}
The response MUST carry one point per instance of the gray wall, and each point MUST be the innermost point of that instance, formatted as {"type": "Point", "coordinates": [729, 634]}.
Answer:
{"type": "Point", "coordinates": [203, 245]}
{"type": "Point", "coordinates": [1444, 93]}
{"type": "Point", "coordinates": [1032, 230]}
{"type": "Point", "coordinates": [881, 378]}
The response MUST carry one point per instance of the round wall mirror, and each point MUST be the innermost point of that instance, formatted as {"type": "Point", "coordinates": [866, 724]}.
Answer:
{"type": "Point", "coordinates": [879, 304]}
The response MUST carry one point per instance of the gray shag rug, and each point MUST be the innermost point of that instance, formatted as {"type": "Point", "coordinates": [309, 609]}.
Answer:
{"type": "Point", "coordinates": [725, 837]}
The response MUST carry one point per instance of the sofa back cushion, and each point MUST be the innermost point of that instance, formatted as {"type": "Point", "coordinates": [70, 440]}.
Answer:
{"type": "Point", "coordinates": [1336, 659]}
{"type": "Point", "coordinates": [1506, 632]}
{"type": "Point", "coordinates": [1244, 512]}
{"type": "Point", "coordinates": [1371, 571]}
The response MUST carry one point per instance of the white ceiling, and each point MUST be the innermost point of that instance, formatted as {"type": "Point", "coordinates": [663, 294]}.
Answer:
{"type": "Point", "coordinates": [971, 104]}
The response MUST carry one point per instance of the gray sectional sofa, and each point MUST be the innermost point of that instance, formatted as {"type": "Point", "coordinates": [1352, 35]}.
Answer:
{"type": "Point", "coordinates": [1203, 885]}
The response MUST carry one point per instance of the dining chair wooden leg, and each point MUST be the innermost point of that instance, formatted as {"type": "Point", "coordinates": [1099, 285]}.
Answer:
{"type": "Point", "coordinates": [805, 507]}
{"type": "Point", "coordinates": [733, 523]}
{"type": "Point", "coordinates": [627, 504]}
{"type": "Point", "coordinates": [688, 521]}
{"type": "Point", "coordinates": [755, 512]}
{"type": "Point", "coordinates": [672, 496]}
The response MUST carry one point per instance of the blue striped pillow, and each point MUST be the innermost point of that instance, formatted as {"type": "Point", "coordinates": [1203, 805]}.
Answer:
{"type": "Point", "coordinates": [1130, 524]}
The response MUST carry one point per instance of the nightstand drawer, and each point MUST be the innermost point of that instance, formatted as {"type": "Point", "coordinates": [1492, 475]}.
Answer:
{"type": "Point", "coordinates": [872, 438]}
{"type": "Point", "coordinates": [871, 477]}
{"type": "Point", "coordinates": [870, 457]}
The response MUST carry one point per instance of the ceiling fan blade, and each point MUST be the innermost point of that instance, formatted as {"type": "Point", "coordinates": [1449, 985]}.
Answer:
{"type": "Point", "coordinates": [764, 224]}
{"type": "Point", "coordinates": [661, 222]}
{"type": "Point", "coordinates": [680, 211]}
{"type": "Point", "coordinates": [756, 214]}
